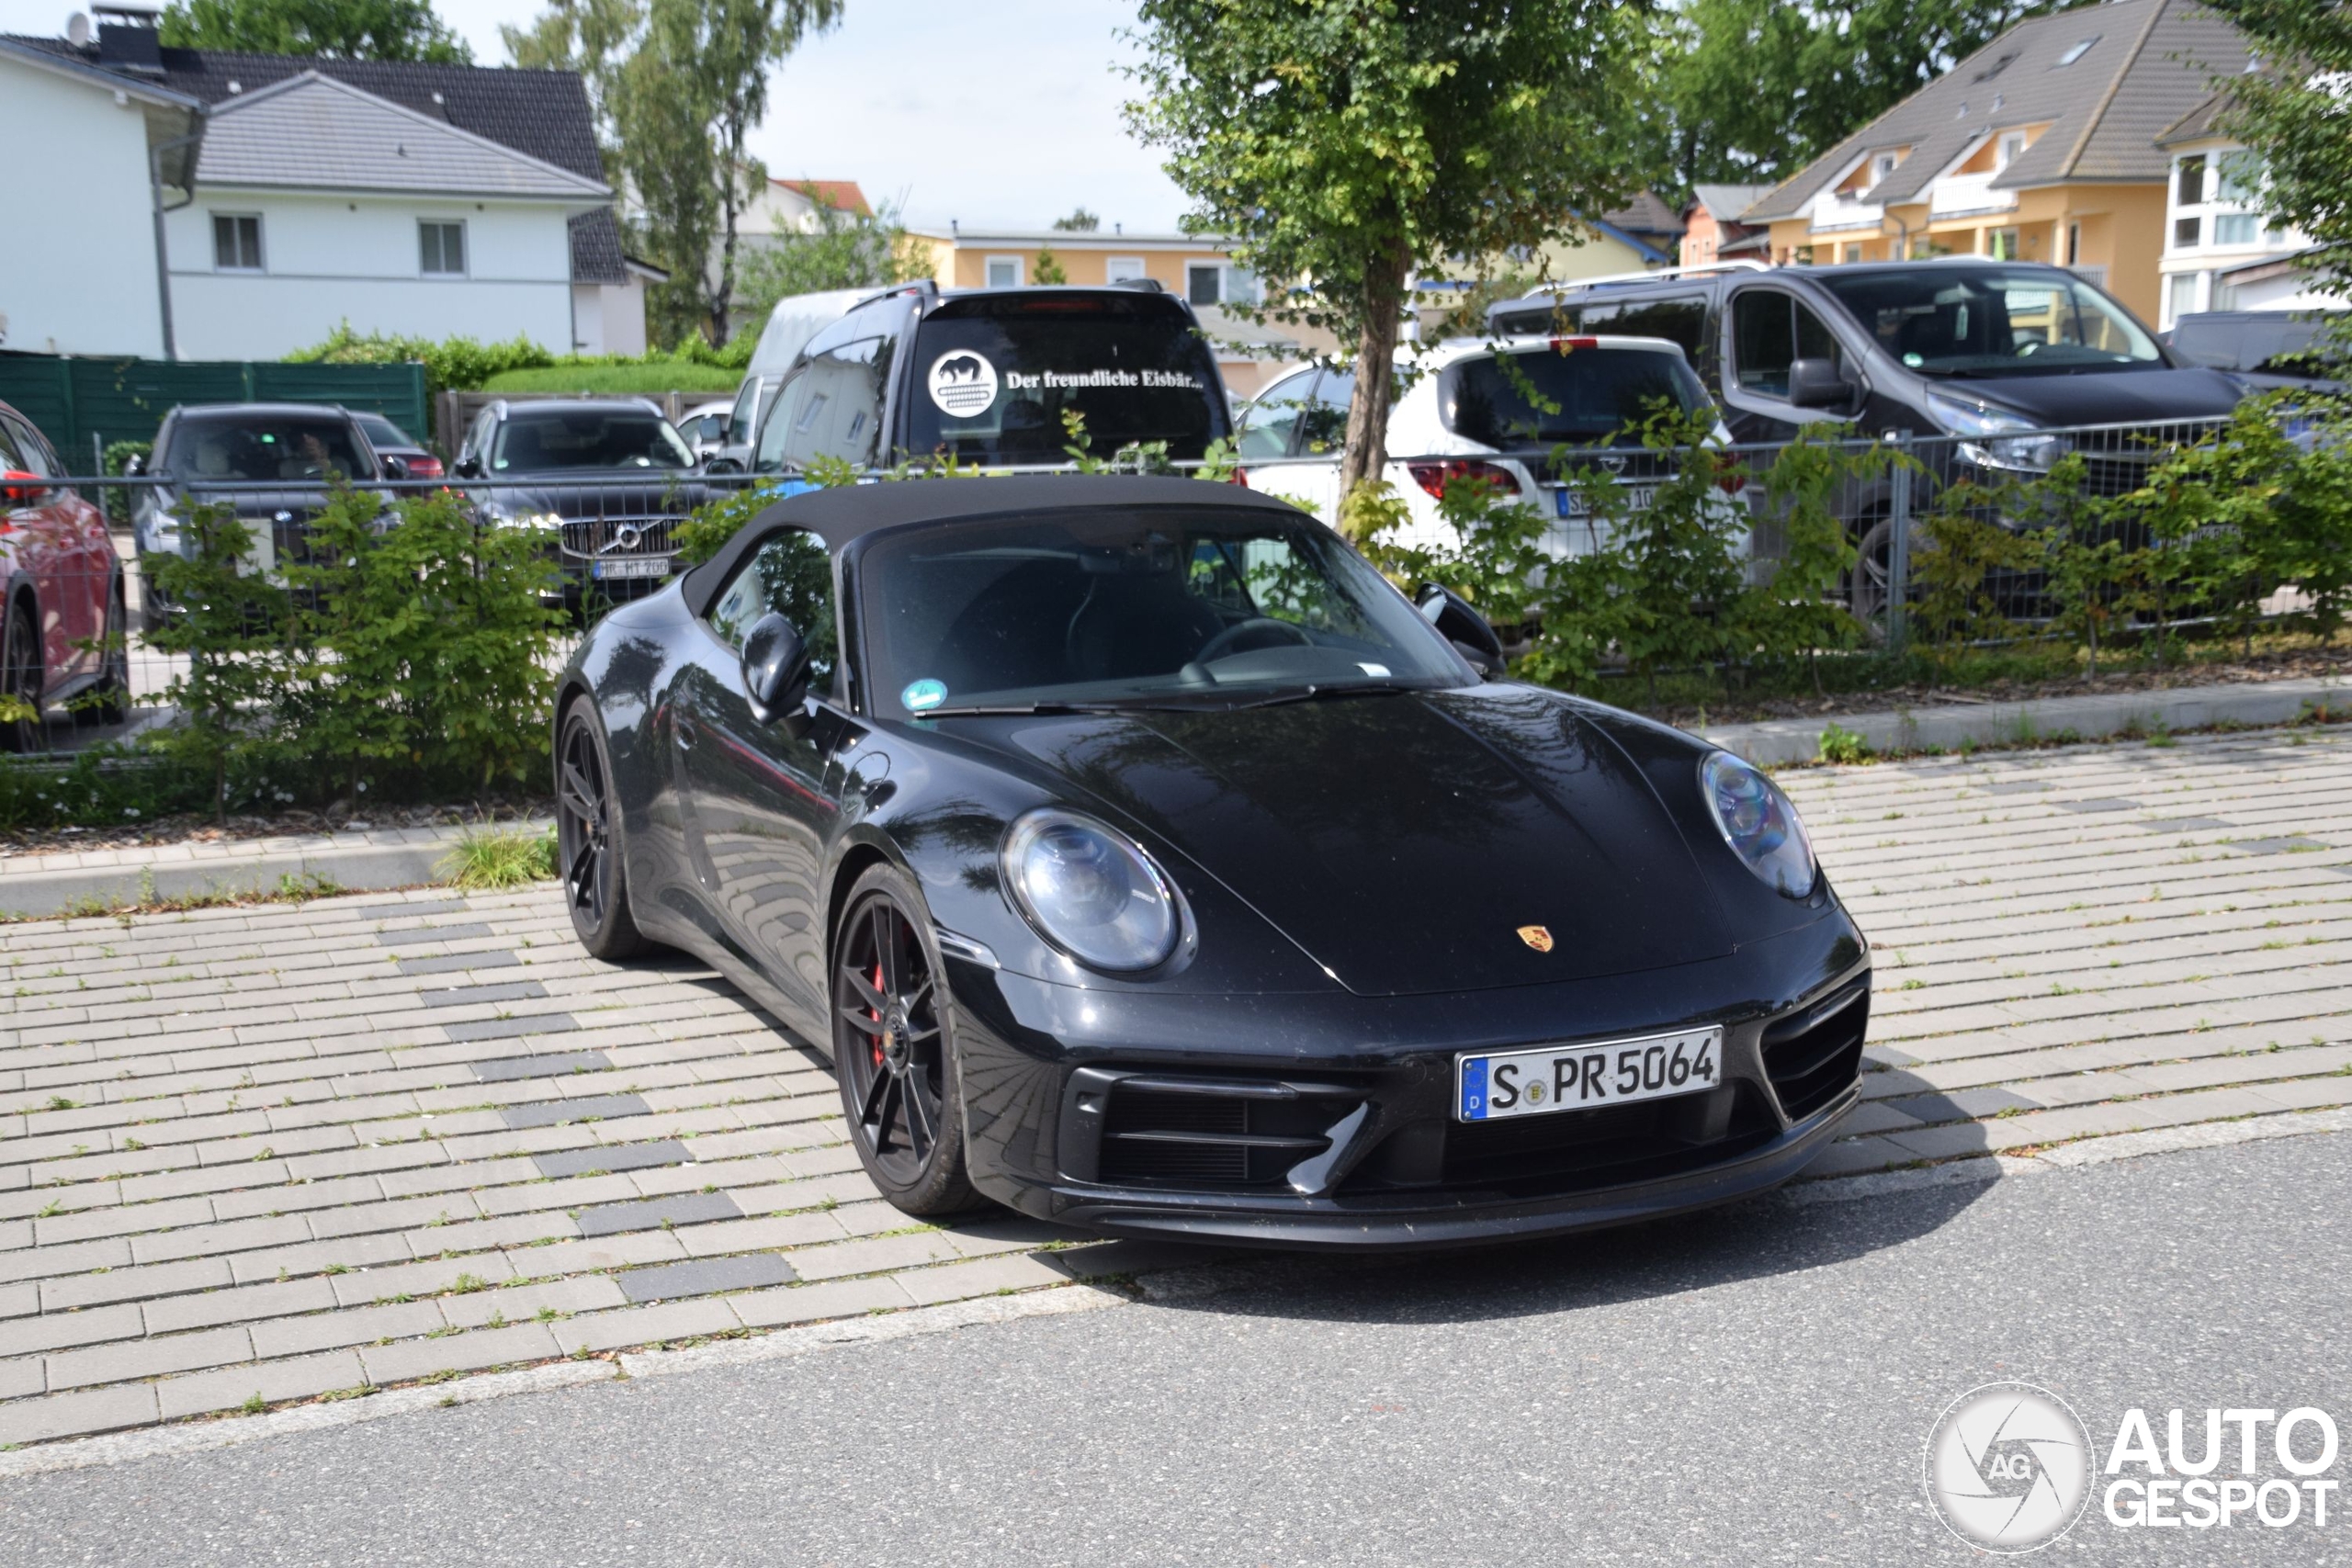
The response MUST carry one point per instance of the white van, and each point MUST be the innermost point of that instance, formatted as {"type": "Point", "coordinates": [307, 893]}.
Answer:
{"type": "Point", "coordinates": [796, 318]}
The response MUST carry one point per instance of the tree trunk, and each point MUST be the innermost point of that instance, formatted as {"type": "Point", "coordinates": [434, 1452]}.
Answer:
{"type": "Point", "coordinates": [1366, 458]}
{"type": "Point", "coordinates": [724, 295]}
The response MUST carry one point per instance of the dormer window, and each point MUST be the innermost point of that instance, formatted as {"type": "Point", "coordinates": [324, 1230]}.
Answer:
{"type": "Point", "coordinates": [1882, 165]}
{"type": "Point", "coordinates": [2012, 148]}
{"type": "Point", "coordinates": [2075, 51]}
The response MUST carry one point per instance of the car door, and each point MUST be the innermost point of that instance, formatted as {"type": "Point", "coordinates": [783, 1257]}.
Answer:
{"type": "Point", "coordinates": [1766, 331]}
{"type": "Point", "coordinates": [85, 558]}
{"type": "Point", "coordinates": [1273, 427]}
{"type": "Point", "coordinates": [762, 799]}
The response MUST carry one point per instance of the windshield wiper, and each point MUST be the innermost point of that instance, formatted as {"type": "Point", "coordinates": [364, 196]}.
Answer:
{"type": "Point", "coordinates": [1002, 710]}
{"type": "Point", "coordinates": [1317, 694]}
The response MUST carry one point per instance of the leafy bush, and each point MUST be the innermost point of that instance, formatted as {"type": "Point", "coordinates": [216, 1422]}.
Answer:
{"type": "Point", "coordinates": [108, 785]}
{"type": "Point", "coordinates": [464, 364]}
{"type": "Point", "coordinates": [235, 627]}
{"type": "Point", "coordinates": [629, 376]}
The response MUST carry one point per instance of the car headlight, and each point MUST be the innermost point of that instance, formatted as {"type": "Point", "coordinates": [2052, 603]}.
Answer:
{"type": "Point", "coordinates": [1758, 822]}
{"type": "Point", "coordinates": [1090, 891]}
{"type": "Point", "coordinates": [2027, 454]}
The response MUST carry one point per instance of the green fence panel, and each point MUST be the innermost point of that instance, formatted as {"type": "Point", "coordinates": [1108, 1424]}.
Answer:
{"type": "Point", "coordinates": [78, 400]}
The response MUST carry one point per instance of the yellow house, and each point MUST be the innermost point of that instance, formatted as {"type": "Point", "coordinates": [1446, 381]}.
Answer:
{"type": "Point", "coordinates": [2039, 147]}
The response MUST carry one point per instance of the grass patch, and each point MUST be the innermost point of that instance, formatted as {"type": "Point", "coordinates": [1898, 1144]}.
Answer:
{"type": "Point", "coordinates": [500, 858]}
{"type": "Point", "coordinates": [674, 377]}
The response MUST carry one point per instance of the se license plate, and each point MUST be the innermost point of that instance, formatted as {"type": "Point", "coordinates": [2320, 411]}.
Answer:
{"type": "Point", "coordinates": [1573, 503]}
{"type": "Point", "coordinates": [1584, 1077]}
{"type": "Point", "coordinates": [632, 566]}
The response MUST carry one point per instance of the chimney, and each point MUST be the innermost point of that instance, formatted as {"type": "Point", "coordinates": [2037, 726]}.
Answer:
{"type": "Point", "coordinates": [127, 40]}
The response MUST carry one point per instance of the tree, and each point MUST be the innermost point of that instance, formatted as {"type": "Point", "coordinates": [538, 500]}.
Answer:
{"type": "Point", "coordinates": [1048, 269]}
{"type": "Point", "coordinates": [846, 250]}
{"type": "Point", "coordinates": [1343, 143]}
{"type": "Point", "coordinates": [1079, 222]}
{"type": "Point", "coordinates": [2298, 117]}
{"type": "Point", "coordinates": [1753, 90]}
{"type": "Point", "coordinates": [677, 86]}
{"type": "Point", "coordinates": [331, 29]}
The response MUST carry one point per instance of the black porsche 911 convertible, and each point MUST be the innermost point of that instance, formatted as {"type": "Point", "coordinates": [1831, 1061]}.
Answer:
{"type": "Point", "coordinates": [1146, 862]}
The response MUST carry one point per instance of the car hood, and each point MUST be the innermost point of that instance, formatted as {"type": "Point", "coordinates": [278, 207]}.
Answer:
{"type": "Point", "coordinates": [1403, 839]}
{"type": "Point", "coordinates": [593, 495]}
{"type": "Point", "coordinates": [2107, 397]}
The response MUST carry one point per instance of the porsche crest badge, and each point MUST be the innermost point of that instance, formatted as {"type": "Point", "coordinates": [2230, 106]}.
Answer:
{"type": "Point", "coordinates": [1536, 937]}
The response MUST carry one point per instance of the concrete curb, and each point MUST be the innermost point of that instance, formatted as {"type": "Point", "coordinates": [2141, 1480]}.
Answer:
{"type": "Point", "coordinates": [349, 862]}
{"type": "Point", "coordinates": [1780, 741]}
{"type": "Point", "coordinates": [1167, 1286]}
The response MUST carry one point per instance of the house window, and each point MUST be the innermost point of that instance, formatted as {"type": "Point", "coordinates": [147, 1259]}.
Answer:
{"type": "Point", "coordinates": [2185, 232]}
{"type": "Point", "coordinates": [1853, 250]}
{"type": "Point", "coordinates": [2075, 51]}
{"type": "Point", "coordinates": [1883, 166]}
{"type": "Point", "coordinates": [2183, 298]}
{"type": "Point", "coordinates": [2236, 228]}
{"type": "Point", "coordinates": [2241, 178]}
{"type": "Point", "coordinates": [2001, 244]}
{"type": "Point", "coordinates": [1124, 269]}
{"type": "Point", "coordinates": [236, 242]}
{"type": "Point", "coordinates": [2189, 182]}
{"type": "Point", "coordinates": [2012, 146]}
{"type": "Point", "coordinates": [443, 248]}
{"type": "Point", "coordinates": [1004, 272]}
{"type": "Point", "coordinates": [2073, 244]}
{"type": "Point", "coordinates": [1200, 281]}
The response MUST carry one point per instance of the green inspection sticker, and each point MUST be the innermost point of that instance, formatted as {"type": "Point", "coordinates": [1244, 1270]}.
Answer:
{"type": "Point", "coordinates": [922, 694]}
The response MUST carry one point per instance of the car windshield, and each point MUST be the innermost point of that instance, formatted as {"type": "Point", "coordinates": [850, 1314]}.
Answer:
{"type": "Point", "coordinates": [1133, 608]}
{"type": "Point", "coordinates": [1992, 322]}
{"type": "Point", "coordinates": [267, 447]}
{"type": "Point", "coordinates": [383, 432]}
{"type": "Point", "coordinates": [2278, 343]}
{"type": "Point", "coordinates": [531, 441]}
{"type": "Point", "coordinates": [1588, 394]}
{"type": "Point", "coordinates": [996, 378]}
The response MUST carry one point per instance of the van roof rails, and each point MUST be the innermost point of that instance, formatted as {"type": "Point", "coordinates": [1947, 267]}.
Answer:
{"type": "Point", "coordinates": [924, 285]}
{"type": "Point", "coordinates": [1736, 264]}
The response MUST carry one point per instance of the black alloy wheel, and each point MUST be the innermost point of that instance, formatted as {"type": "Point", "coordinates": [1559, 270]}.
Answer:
{"type": "Point", "coordinates": [1869, 589]}
{"type": "Point", "coordinates": [893, 1054]}
{"type": "Point", "coordinates": [20, 676]}
{"type": "Point", "coordinates": [587, 841]}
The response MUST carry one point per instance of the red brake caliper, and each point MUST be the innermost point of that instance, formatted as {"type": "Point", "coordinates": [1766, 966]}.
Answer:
{"type": "Point", "coordinates": [875, 1011]}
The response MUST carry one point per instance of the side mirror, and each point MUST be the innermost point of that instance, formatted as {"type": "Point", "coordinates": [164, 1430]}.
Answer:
{"type": "Point", "coordinates": [1460, 624]}
{"type": "Point", "coordinates": [467, 468]}
{"type": "Point", "coordinates": [1819, 384]}
{"type": "Point", "coordinates": [775, 671]}
{"type": "Point", "coordinates": [715, 464]}
{"type": "Point", "coordinates": [395, 468]}
{"type": "Point", "coordinates": [19, 487]}
{"type": "Point", "coordinates": [134, 464]}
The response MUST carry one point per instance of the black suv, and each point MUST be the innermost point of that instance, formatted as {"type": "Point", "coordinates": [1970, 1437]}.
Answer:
{"type": "Point", "coordinates": [1982, 352]}
{"type": "Point", "coordinates": [988, 376]}
{"type": "Point", "coordinates": [607, 477]}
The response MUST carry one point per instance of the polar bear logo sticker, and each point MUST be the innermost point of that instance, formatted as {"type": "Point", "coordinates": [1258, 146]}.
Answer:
{"type": "Point", "coordinates": [962, 383]}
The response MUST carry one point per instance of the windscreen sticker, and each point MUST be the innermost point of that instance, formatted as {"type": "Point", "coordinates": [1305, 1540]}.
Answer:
{"type": "Point", "coordinates": [962, 383]}
{"type": "Point", "coordinates": [922, 694]}
{"type": "Point", "coordinates": [1377, 671]}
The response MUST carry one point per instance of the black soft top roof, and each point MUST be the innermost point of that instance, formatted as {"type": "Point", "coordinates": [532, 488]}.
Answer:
{"type": "Point", "coordinates": [843, 515]}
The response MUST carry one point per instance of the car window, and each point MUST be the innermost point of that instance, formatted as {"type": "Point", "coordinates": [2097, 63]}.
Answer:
{"type": "Point", "coordinates": [1770, 330]}
{"type": "Point", "coordinates": [383, 433]}
{"type": "Point", "coordinates": [11, 453]}
{"type": "Point", "coordinates": [1681, 321]}
{"type": "Point", "coordinates": [835, 409]}
{"type": "Point", "coordinates": [539, 441]}
{"type": "Point", "coordinates": [1993, 322]}
{"type": "Point", "coordinates": [267, 447]}
{"type": "Point", "coordinates": [1587, 394]}
{"type": "Point", "coordinates": [744, 417]}
{"type": "Point", "coordinates": [790, 574]}
{"type": "Point", "coordinates": [1269, 424]}
{"type": "Point", "coordinates": [1323, 428]}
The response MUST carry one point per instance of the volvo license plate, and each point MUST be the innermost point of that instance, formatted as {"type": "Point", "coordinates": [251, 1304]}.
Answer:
{"type": "Point", "coordinates": [632, 566]}
{"type": "Point", "coordinates": [1488, 1087]}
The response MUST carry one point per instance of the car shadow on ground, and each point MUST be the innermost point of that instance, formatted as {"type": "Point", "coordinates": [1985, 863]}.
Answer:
{"type": "Point", "coordinates": [1757, 1238]}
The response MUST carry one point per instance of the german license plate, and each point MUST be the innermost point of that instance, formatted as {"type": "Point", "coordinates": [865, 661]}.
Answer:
{"type": "Point", "coordinates": [1584, 1077]}
{"type": "Point", "coordinates": [631, 566]}
{"type": "Point", "coordinates": [1573, 503]}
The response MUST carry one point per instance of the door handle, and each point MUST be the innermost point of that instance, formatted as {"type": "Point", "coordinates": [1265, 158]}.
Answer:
{"type": "Point", "coordinates": [685, 733]}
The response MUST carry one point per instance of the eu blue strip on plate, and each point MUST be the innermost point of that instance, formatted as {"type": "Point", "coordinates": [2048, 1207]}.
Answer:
{"type": "Point", "coordinates": [1474, 1089]}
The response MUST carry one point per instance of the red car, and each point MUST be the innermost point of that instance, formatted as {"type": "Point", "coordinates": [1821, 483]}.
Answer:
{"type": "Point", "coordinates": [61, 625]}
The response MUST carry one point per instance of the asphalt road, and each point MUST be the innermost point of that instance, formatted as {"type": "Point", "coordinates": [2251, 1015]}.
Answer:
{"type": "Point", "coordinates": [1751, 1387]}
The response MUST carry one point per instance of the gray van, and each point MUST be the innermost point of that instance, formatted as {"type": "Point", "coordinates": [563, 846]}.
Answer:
{"type": "Point", "coordinates": [1987, 353]}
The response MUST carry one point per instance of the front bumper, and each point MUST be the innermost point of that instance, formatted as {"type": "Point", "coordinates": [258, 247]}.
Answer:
{"type": "Point", "coordinates": [1188, 1117]}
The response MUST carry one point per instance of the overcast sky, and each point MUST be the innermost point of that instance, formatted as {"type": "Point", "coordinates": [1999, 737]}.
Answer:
{"type": "Point", "coordinates": [1002, 113]}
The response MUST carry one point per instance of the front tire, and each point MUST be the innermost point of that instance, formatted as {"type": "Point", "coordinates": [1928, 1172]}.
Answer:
{"type": "Point", "coordinates": [894, 1049]}
{"type": "Point", "coordinates": [589, 860]}
{"type": "Point", "coordinates": [20, 675]}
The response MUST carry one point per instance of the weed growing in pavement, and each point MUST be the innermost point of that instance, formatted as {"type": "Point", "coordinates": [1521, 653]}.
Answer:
{"type": "Point", "coordinates": [488, 862]}
{"type": "Point", "coordinates": [1842, 747]}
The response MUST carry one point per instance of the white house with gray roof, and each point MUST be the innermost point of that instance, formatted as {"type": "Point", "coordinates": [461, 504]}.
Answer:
{"type": "Point", "coordinates": [317, 202]}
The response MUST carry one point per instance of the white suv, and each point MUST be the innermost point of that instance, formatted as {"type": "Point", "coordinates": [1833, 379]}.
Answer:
{"type": "Point", "coordinates": [1464, 415]}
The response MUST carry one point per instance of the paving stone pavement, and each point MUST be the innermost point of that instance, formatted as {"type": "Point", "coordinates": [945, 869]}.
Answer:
{"type": "Point", "coordinates": [285, 1152]}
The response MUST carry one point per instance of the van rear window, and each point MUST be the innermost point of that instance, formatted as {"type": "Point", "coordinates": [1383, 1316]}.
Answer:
{"type": "Point", "coordinates": [995, 377]}
{"type": "Point", "coordinates": [1595, 394]}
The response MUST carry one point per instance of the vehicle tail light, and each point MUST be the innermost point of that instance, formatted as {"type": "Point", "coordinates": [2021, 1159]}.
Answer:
{"type": "Point", "coordinates": [20, 487]}
{"type": "Point", "coordinates": [1238, 478]}
{"type": "Point", "coordinates": [1731, 475]}
{"type": "Point", "coordinates": [1565, 344]}
{"type": "Point", "coordinates": [424, 467]}
{"type": "Point", "coordinates": [1434, 477]}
